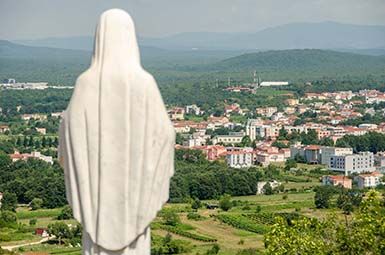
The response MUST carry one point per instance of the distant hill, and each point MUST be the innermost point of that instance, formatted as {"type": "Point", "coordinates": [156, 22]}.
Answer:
{"type": "Point", "coordinates": [309, 63]}
{"type": "Point", "coordinates": [323, 35]}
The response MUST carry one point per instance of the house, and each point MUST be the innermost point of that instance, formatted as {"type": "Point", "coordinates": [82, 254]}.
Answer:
{"type": "Point", "coordinates": [35, 116]}
{"type": "Point", "coordinates": [42, 131]}
{"type": "Point", "coordinates": [266, 111]}
{"type": "Point", "coordinates": [43, 232]}
{"type": "Point", "coordinates": [337, 180]}
{"type": "Point", "coordinates": [25, 156]}
{"type": "Point", "coordinates": [176, 113]}
{"type": "Point", "coordinates": [193, 109]}
{"type": "Point", "coordinates": [370, 180]}
{"type": "Point", "coordinates": [261, 185]}
{"type": "Point", "coordinates": [4, 128]}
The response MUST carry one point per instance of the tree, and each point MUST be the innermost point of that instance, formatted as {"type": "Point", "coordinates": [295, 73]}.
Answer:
{"type": "Point", "coordinates": [267, 189]}
{"type": "Point", "coordinates": [225, 202]}
{"type": "Point", "coordinates": [65, 213]}
{"type": "Point", "coordinates": [7, 218]}
{"type": "Point", "coordinates": [170, 218]}
{"type": "Point", "coordinates": [322, 196]}
{"type": "Point", "coordinates": [196, 204]}
{"type": "Point", "coordinates": [60, 230]}
{"type": "Point", "coordinates": [363, 235]}
{"type": "Point", "coordinates": [36, 203]}
{"type": "Point", "coordinates": [290, 163]}
{"type": "Point", "coordinates": [9, 202]}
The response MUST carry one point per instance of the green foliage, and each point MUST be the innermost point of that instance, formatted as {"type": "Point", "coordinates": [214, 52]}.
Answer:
{"type": "Point", "coordinates": [371, 141]}
{"type": "Point", "coordinates": [32, 179]}
{"type": "Point", "coordinates": [267, 189]}
{"type": "Point", "coordinates": [167, 245]}
{"type": "Point", "coordinates": [170, 218]}
{"type": "Point", "coordinates": [36, 203]}
{"type": "Point", "coordinates": [209, 180]}
{"type": "Point", "coordinates": [179, 231]}
{"type": "Point", "coordinates": [194, 216]}
{"type": "Point", "coordinates": [63, 232]}
{"type": "Point", "coordinates": [8, 219]}
{"type": "Point", "coordinates": [323, 195]}
{"type": "Point", "coordinates": [363, 235]}
{"type": "Point", "coordinates": [9, 202]}
{"type": "Point", "coordinates": [241, 222]}
{"type": "Point", "coordinates": [214, 250]}
{"type": "Point", "coordinates": [32, 222]}
{"type": "Point", "coordinates": [225, 202]}
{"type": "Point", "coordinates": [196, 204]}
{"type": "Point", "coordinates": [66, 213]}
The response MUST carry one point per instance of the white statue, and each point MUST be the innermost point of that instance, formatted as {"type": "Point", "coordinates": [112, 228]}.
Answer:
{"type": "Point", "coordinates": [116, 144]}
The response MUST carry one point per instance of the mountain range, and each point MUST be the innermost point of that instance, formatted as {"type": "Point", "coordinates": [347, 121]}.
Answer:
{"type": "Point", "coordinates": [365, 39]}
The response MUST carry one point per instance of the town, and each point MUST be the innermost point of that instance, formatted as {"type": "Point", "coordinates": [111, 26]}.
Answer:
{"type": "Point", "coordinates": [272, 135]}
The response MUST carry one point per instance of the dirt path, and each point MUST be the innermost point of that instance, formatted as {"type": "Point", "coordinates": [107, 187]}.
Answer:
{"type": "Point", "coordinates": [11, 247]}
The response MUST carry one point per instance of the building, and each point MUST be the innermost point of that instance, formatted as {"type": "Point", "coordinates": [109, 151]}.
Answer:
{"type": "Point", "coordinates": [43, 232]}
{"type": "Point", "coordinates": [42, 131]}
{"type": "Point", "coordinates": [4, 128]}
{"type": "Point", "coordinates": [379, 161]}
{"type": "Point", "coordinates": [193, 109]}
{"type": "Point", "coordinates": [239, 157]}
{"type": "Point", "coordinates": [16, 156]}
{"type": "Point", "coordinates": [231, 138]}
{"type": "Point", "coordinates": [260, 186]}
{"type": "Point", "coordinates": [266, 111]}
{"type": "Point", "coordinates": [327, 152]}
{"type": "Point", "coordinates": [176, 113]}
{"type": "Point", "coordinates": [311, 153]}
{"type": "Point", "coordinates": [292, 101]}
{"type": "Point", "coordinates": [273, 83]}
{"type": "Point", "coordinates": [35, 116]}
{"type": "Point", "coordinates": [265, 158]}
{"type": "Point", "coordinates": [337, 180]}
{"type": "Point", "coordinates": [354, 163]}
{"type": "Point", "coordinates": [370, 180]}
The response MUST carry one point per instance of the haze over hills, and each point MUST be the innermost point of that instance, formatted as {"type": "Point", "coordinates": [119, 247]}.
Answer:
{"type": "Point", "coordinates": [325, 35]}
{"type": "Point", "coordinates": [62, 66]}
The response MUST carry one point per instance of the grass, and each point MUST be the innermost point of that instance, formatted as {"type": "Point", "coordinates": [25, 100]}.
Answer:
{"type": "Point", "coordinates": [25, 213]}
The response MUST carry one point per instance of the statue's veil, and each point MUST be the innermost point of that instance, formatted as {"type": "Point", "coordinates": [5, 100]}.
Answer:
{"type": "Point", "coordinates": [116, 141]}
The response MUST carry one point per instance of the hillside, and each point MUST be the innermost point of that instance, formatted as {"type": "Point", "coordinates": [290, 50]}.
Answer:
{"type": "Point", "coordinates": [322, 35]}
{"type": "Point", "coordinates": [309, 63]}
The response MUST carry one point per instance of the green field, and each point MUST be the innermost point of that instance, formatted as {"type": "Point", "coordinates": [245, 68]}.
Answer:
{"type": "Point", "coordinates": [244, 231]}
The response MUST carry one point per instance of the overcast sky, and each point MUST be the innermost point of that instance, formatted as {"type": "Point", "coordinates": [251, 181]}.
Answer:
{"type": "Point", "coordinates": [28, 19]}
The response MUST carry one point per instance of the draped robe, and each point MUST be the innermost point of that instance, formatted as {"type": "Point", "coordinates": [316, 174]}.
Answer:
{"type": "Point", "coordinates": [116, 144]}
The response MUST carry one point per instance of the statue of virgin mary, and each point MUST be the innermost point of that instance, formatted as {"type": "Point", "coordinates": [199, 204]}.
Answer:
{"type": "Point", "coordinates": [116, 144]}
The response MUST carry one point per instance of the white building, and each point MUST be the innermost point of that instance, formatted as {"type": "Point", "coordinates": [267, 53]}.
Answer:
{"type": "Point", "coordinates": [328, 152]}
{"type": "Point", "coordinates": [354, 163]}
{"type": "Point", "coordinates": [231, 138]}
{"type": "Point", "coordinates": [260, 186]}
{"type": "Point", "coordinates": [368, 180]}
{"type": "Point", "coordinates": [193, 109]}
{"type": "Point", "coordinates": [240, 157]}
{"type": "Point", "coordinates": [273, 83]}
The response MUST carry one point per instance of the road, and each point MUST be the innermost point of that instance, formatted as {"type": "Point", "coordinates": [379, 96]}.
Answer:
{"type": "Point", "coordinates": [11, 247]}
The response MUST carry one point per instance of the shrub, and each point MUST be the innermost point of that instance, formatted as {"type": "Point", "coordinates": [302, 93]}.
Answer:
{"type": "Point", "coordinates": [225, 202]}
